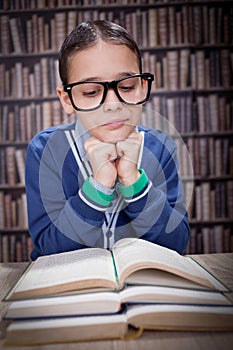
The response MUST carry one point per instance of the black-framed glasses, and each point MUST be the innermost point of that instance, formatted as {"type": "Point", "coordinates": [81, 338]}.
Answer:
{"type": "Point", "coordinates": [90, 95]}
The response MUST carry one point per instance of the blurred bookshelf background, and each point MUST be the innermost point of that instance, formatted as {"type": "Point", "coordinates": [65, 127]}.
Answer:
{"type": "Point", "coordinates": [188, 45]}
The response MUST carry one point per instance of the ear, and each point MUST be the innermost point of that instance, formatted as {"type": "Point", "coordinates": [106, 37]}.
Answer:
{"type": "Point", "coordinates": [65, 100]}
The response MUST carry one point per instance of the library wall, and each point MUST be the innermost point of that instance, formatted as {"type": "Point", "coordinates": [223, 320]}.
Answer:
{"type": "Point", "coordinates": [188, 45]}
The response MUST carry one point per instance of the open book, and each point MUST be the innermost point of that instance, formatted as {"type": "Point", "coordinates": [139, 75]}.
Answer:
{"type": "Point", "coordinates": [130, 260]}
{"type": "Point", "coordinates": [156, 317]}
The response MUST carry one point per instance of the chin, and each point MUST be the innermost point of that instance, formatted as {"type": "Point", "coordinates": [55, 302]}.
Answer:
{"type": "Point", "coordinates": [115, 140]}
{"type": "Point", "coordinates": [114, 136]}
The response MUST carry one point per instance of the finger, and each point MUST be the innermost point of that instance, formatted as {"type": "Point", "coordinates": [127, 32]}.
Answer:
{"type": "Point", "coordinates": [135, 135]}
{"type": "Point", "coordinates": [91, 142]}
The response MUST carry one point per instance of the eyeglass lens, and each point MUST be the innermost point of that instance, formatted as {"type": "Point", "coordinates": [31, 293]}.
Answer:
{"type": "Point", "coordinates": [89, 95]}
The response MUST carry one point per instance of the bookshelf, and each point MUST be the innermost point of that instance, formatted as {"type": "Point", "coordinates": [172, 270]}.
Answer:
{"type": "Point", "coordinates": [189, 47]}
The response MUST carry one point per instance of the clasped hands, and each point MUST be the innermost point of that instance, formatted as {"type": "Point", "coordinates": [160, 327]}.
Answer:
{"type": "Point", "coordinates": [110, 161]}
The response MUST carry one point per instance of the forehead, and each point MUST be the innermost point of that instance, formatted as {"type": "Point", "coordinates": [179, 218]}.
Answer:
{"type": "Point", "coordinates": [102, 61]}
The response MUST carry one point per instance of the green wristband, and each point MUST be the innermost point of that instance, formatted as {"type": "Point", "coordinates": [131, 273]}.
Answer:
{"type": "Point", "coordinates": [136, 187]}
{"type": "Point", "coordinates": [95, 195]}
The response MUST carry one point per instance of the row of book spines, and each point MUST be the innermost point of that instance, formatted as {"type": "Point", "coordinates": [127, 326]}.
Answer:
{"type": "Point", "coordinates": [205, 157]}
{"type": "Point", "coordinates": [27, 120]}
{"type": "Point", "coordinates": [12, 164]}
{"type": "Point", "coordinates": [209, 240]}
{"type": "Point", "coordinates": [25, 81]}
{"type": "Point", "coordinates": [174, 70]}
{"type": "Point", "coordinates": [157, 26]}
{"type": "Point", "coordinates": [53, 4]}
{"type": "Point", "coordinates": [15, 248]}
{"type": "Point", "coordinates": [209, 156]}
{"type": "Point", "coordinates": [210, 113]}
{"type": "Point", "coordinates": [212, 201]}
{"type": "Point", "coordinates": [13, 211]}
{"type": "Point", "coordinates": [180, 69]}
{"type": "Point", "coordinates": [182, 24]}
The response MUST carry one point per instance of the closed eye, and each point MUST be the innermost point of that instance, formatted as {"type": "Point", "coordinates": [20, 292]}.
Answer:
{"type": "Point", "coordinates": [126, 88]}
{"type": "Point", "coordinates": [92, 93]}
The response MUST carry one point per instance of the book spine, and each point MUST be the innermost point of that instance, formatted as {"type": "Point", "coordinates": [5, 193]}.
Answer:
{"type": "Point", "coordinates": [15, 248]}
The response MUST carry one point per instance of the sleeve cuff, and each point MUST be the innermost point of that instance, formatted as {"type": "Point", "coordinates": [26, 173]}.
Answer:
{"type": "Point", "coordinates": [136, 188]}
{"type": "Point", "coordinates": [95, 195]}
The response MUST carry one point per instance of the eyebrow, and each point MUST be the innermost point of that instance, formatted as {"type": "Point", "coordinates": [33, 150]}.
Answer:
{"type": "Point", "coordinates": [119, 76]}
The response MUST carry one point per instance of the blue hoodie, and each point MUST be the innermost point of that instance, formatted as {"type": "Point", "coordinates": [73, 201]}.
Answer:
{"type": "Point", "coordinates": [63, 216]}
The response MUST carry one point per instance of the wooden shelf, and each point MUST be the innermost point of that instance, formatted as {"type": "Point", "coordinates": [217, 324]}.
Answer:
{"type": "Point", "coordinates": [16, 187]}
{"type": "Point", "coordinates": [221, 133]}
{"type": "Point", "coordinates": [13, 143]}
{"type": "Point", "coordinates": [211, 178]}
{"type": "Point", "coordinates": [13, 230]}
{"type": "Point", "coordinates": [25, 56]}
{"type": "Point", "coordinates": [217, 221]}
{"type": "Point", "coordinates": [23, 100]}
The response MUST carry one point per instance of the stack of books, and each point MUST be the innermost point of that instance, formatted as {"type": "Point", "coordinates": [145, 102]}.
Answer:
{"type": "Point", "coordinates": [95, 293]}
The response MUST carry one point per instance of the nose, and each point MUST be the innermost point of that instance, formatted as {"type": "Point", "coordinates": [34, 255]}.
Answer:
{"type": "Point", "coordinates": [112, 102]}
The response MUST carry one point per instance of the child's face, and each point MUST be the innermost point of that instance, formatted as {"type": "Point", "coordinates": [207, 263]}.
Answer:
{"type": "Point", "coordinates": [113, 121]}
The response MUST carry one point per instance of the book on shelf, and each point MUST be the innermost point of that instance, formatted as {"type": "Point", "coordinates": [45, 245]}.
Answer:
{"type": "Point", "coordinates": [2, 216]}
{"type": "Point", "coordinates": [16, 35]}
{"type": "Point", "coordinates": [163, 26]}
{"type": "Point", "coordinates": [110, 270]}
{"type": "Point", "coordinates": [226, 80]}
{"type": "Point", "coordinates": [5, 248]}
{"type": "Point", "coordinates": [172, 26]}
{"type": "Point", "coordinates": [153, 27]}
{"type": "Point", "coordinates": [5, 34]}
{"type": "Point", "coordinates": [197, 24]}
{"type": "Point", "coordinates": [20, 164]}
{"type": "Point", "coordinates": [125, 325]}
{"type": "Point", "coordinates": [11, 165]}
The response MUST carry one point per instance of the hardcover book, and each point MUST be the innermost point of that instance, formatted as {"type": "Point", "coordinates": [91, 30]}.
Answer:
{"type": "Point", "coordinates": [95, 268]}
{"type": "Point", "coordinates": [127, 324]}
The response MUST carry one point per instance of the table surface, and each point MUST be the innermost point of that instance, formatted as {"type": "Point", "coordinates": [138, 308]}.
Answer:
{"type": "Point", "coordinates": [221, 265]}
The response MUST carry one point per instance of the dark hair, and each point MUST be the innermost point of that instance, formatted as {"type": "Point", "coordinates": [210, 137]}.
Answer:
{"type": "Point", "coordinates": [88, 34]}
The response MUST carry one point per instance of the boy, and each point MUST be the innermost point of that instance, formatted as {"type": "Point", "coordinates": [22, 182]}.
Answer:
{"type": "Point", "coordinates": [104, 177]}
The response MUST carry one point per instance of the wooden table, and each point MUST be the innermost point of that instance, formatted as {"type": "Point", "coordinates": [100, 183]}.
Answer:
{"type": "Point", "coordinates": [221, 265]}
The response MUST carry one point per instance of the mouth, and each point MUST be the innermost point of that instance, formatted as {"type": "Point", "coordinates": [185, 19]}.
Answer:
{"type": "Point", "coordinates": [115, 124]}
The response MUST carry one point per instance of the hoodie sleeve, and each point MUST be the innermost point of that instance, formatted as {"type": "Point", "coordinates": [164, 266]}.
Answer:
{"type": "Point", "coordinates": [56, 213]}
{"type": "Point", "coordinates": [160, 215]}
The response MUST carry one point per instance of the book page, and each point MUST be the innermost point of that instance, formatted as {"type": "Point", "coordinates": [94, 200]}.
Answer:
{"type": "Point", "coordinates": [161, 278]}
{"type": "Point", "coordinates": [85, 265]}
{"type": "Point", "coordinates": [158, 294]}
{"type": "Point", "coordinates": [132, 254]}
{"type": "Point", "coordinates": [175, 316]}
